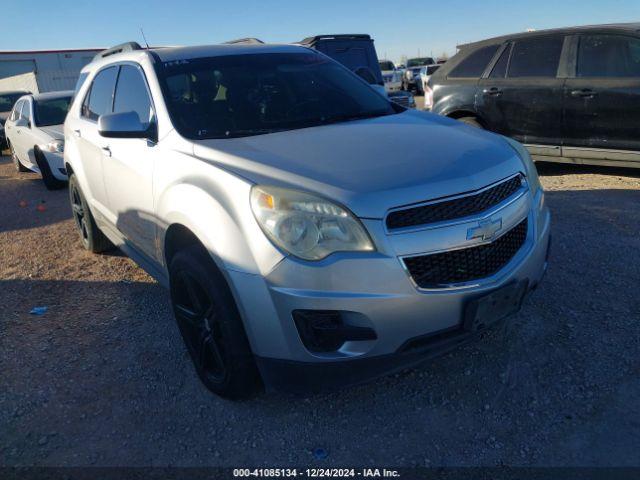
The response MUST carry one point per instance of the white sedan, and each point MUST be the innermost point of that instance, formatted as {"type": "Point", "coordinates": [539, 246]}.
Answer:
{"type": "Point", "coordinates": [35, 136]}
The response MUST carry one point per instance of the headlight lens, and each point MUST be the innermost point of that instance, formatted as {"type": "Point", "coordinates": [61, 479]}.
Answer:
{"type": "Point", "coordinates": [56, 146]}
{"type": "Point", "coordinates": [307, 226]}
{"type": "Point", "coordinates": [529, 166]}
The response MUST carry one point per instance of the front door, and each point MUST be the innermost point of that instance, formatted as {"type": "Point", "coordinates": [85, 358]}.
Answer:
{"type": "Point", "coordinates": [602, 100]}
{"type": "Point", "coordinates": [522, 95]}
{"type": "Point", "coordinates": [128, 166]}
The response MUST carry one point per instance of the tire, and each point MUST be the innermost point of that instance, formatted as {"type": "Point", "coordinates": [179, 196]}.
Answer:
{"type": "Point", "coordinates": [51, 182]}
{"type": "Point", "coordinates": [473, 121]}
{"type": "Point", "coordinates": [16, 161]}
{"type": "Point", "coordinates": [211, 326]}
{"type": "Point", "coordinates": [90, 235]}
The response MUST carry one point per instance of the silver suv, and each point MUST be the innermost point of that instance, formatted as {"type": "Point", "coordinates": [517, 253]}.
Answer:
{"type": "Point", "coordinates": [312, 233]}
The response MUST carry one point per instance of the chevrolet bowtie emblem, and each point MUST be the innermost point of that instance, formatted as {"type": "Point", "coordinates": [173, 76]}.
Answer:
{"type": "Point", "coordinates": [486, 230]}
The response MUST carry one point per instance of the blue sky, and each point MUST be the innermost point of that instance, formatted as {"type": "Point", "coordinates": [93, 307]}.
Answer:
{"type": "Point", "coordinates": [399, 28]}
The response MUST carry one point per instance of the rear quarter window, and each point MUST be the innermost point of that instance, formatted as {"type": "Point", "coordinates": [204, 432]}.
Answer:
{"type": "Point", "coordinates": [475, 63]}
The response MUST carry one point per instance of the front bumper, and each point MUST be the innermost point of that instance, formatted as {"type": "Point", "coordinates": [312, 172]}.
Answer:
{"type": "Point", "coordinates": [375, 292]}
{"type": "Point", "coordinates": [56, 164]}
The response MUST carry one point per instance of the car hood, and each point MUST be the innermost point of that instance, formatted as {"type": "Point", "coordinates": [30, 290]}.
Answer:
{"type": "Point", "coordinates": [54, 131]}
{"type": "Point", "coordinates": [371, 165]}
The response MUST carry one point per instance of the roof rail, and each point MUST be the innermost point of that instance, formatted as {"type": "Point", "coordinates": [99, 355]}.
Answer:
{"type": "Point", "coordinates": [353, 36]}
{"type": "Point", "coordinates": [247, 41]}
{"type": "Point", "coordinates": [123, 47]}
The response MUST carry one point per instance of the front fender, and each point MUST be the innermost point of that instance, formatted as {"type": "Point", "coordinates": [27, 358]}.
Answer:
{"type": "Point", "coordinates": [221, 218]}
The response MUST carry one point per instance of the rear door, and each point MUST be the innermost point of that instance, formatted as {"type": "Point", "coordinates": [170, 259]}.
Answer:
{"type": "Point", "coordinates": [602, 99]}
{"type": "Point", "coordinates": [128, 165]}
{"type": "Point", "coordinates": [521, 97]}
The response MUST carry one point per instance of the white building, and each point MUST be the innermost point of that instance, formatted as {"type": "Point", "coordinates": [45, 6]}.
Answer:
{"type": "Point", "coordinates": [40, 71]}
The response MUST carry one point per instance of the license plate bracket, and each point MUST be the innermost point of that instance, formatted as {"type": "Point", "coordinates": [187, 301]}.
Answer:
{"type": "Point", "coordinates": [489, 309]}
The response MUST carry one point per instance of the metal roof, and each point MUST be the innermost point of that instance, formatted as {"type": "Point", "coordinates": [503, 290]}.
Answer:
{"type": "Point", "coordinates": [611, 27]}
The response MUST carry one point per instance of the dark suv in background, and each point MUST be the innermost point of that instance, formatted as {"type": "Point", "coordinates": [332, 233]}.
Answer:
{"type": "Point", "coordinates": [570, 95]}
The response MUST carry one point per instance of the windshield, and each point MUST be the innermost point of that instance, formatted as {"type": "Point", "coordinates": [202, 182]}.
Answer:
{"type": "Point", "coordinates": [8, 100]}
{"type": "Point", "coordinates": [241, 95]}
{"type": "Point", "coordinates": [386, 66]}
{"type": "Point", "coordinates": [418, 62]}
{"type": "Point", "coordinates": [51, 112]}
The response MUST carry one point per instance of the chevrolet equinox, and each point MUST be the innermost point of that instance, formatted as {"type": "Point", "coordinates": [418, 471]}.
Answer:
{"type": "Point", "coordinates": [312, 234]}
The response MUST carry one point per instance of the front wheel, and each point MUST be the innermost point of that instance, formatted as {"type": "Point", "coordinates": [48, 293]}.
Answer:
{"type": "Point", "coordinates": [91, 236]}
{"type": "Point", "coordinates": [211, 326]}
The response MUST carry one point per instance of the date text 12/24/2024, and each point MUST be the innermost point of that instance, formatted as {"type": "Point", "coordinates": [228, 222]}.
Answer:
{"type": "Point", "coordinates": [315, 472]}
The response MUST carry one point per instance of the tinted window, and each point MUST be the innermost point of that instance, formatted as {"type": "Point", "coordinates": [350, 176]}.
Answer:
{"type": "Point", "coordinates": [100, 97]}
{"type": "Point", "coordinates": [8, 100]}
{"type": "Point", "coordinates": [386, 65]}
{"type": "Point", "coordinates": [500, 68]}
{"type": "Point", "coordinates": [243, 95]}
{"type": "Point", "coordinates": [536, 57]}
{"type": "Point", "coordinates": [475, 63]}
{"type": "Point", "coordinates": [51, 112]}
{"type": "Point", "coordinates": [131, 94]}
{"type": "Point", "coordinates": [608, 56]}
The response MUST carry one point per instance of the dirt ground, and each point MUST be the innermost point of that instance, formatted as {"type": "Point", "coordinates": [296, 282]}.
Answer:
{"type": "Point", "coordinates": [102, 378]}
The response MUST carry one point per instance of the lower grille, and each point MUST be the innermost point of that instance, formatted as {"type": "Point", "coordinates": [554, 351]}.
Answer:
{"type": "Point", "coordinates": [459, 266]}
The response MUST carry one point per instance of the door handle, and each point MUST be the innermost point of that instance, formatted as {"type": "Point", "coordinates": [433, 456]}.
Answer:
{"type": "Point", "coordinates": [495, 91]}
{"type": "Point", "coordinates": [106, 151]}
{"type": "Point", "coordinates": [584, 93]}
{"type": "Point", "coordinates": [77, 133]}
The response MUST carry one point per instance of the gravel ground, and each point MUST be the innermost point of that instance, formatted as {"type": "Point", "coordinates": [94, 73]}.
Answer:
{"type": "Point", "coordinates": [102, 378]}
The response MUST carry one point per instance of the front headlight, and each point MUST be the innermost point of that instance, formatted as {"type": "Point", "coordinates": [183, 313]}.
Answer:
{"type": "Point", "coordinates": [529, 166]}
{"type": "Point", "coordinates": [307, 226]}
{"type": "Point", "coordinates": [56, 146]}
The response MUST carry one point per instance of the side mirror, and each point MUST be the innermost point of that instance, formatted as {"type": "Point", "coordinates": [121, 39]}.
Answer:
{"type": "Point", "coordinates": [22, 122]}
{"type": "Point", "coordinates": [124, 125]}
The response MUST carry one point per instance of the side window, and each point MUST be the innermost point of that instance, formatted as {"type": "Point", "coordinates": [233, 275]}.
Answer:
{"type": "Point", "coordinates": [26, 110]}
{"type": "Point", "coordinates": [475, 63]}
{"type": "Point", "coordinates": [132, 95]}
{"type": "Point", "coordinates": [608, 56]}
{"type": "Point", "coordinates": [15, 114]}
{"type": "Point", "coordinates": [500, 68]}
{"type": "Point", "coordinates": [99, 100]}
{"type": "Point", "coordinates": [536, 57]}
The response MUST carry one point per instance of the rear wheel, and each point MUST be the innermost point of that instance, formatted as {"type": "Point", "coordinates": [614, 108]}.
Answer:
{"type": "Point", "coordinates": [92, 238]}
{"type": "Point", "coordinates": [51, 182]}
{"type": "Point", "coordinates": [473, 121]}
{"type": "Point", "coordinates": [211, 326]}
{"type": "Point", "coordinates": [16, 161]}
